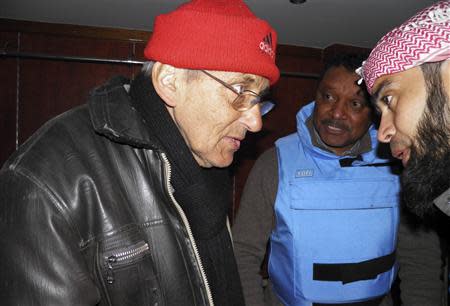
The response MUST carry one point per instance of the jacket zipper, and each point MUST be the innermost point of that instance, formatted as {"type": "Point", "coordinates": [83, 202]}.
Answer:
{"type": "Point", "coordinates": [188, 227]}
{"type": "Point", "coordinates": [117, 258]}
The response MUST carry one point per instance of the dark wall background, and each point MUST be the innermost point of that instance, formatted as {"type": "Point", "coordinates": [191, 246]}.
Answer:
{"type": "Point", "coordinates": [34, 89]}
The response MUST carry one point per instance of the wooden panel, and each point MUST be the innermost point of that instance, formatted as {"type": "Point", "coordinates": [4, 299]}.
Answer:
{"type": "Point", "coordinates": [70, 30]}
{"type": "Point", "coordinates": [8, 80]}
{"type": "Point", "coordinates": [138, 52]}
{"type": "Point", "coordinates": [299, 59]}
{"type": "Point", "coordinates": [48, 88]}
{"type": "Point", "coordinates": [340, 49]}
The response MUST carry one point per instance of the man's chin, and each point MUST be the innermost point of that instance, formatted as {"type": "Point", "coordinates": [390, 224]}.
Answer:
{"type": "Point", "coordinates": [423, 180]}
{"type": "Point", "coordinates": [221, 162]}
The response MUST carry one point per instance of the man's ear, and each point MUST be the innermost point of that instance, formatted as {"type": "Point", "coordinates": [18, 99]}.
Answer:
{"type": "Point", "coordinates": [163, 78]}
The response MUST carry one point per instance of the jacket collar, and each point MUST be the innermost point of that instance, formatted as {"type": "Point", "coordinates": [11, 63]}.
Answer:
{"type": "Point", "coordinates": [113, 115]}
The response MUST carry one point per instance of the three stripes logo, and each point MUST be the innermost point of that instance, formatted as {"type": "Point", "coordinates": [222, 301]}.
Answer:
{"type": "Point", "coordinates": [266, 45]}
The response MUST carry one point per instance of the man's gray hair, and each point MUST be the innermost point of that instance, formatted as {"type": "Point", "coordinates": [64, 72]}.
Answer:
{"type": "Point", "coordinates": [190, 73]}
{"type": "Point", "coordinates": [147, 68]}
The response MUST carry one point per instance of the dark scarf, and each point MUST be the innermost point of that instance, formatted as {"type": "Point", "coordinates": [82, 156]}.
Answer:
{"type": "Point", "coordinates": [203, 193]}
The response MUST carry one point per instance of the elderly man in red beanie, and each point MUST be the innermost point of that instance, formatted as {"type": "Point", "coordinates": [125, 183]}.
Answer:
{"type": "Point", "coordinates": [408, 74]}
{"type": "Point", "coordinates": [123, 201]}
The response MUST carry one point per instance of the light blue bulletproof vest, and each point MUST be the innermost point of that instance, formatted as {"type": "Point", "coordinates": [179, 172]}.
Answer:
{"type": "Point", "coordinates": [336, 226]}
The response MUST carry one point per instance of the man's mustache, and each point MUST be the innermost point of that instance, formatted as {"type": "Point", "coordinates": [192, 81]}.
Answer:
{"type": "Point", "coordinates": [336, 124]}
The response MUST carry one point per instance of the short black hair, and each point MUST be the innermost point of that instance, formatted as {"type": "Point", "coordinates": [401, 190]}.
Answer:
{"type": "Point", "coordinates": [350, 61]}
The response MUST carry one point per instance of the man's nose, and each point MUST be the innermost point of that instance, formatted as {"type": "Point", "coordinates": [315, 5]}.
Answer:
{"type": "Point", "coordinates": [387, 129]}
{"type": "Point", "coordinates": [252, 119]}
{"type": "Point", "coordinates": [338, 110]}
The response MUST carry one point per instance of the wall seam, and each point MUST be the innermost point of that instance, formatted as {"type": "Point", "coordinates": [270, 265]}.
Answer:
{"type": "Point", "coordinates": [17, 91]}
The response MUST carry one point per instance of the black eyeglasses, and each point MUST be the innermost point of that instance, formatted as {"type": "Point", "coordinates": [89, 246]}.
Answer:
{"type": "Point", "coordinates": [246, 98]}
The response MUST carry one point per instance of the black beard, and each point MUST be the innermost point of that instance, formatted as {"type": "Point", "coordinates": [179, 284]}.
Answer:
{"type": "Point", "coordinates": [424, 179]}
{"type": "Point", "coordinates": [427, 174]}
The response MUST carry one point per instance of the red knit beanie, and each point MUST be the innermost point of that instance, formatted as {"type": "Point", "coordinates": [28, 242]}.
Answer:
{"type": "Point", "coordinates": [221, 35]}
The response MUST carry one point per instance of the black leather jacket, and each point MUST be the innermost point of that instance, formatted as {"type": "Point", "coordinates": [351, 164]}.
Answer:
{"type": "Point", "coordinates": [87, 216]}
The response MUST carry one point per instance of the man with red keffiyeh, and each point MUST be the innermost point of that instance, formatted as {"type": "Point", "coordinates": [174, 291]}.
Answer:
{"type": "Point", "coordinates": [408, 74]}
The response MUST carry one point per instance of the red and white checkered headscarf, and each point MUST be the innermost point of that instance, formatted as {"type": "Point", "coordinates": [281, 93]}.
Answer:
{"type": "Point", "coordinates": [423, 38]}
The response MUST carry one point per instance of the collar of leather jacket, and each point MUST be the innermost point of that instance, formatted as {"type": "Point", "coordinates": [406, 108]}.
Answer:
{"type": "Point", "coordinates": [113, 115]}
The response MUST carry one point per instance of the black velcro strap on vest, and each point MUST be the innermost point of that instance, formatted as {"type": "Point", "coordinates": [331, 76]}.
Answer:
{"type": "Point", "coordinates": [373, 302]}
{"type": "Point", "coordinates": [352, 272]}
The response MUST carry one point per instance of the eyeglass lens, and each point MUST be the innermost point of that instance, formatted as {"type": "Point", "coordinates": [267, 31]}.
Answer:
{"type": "Point", "coordinates": [246, 101]}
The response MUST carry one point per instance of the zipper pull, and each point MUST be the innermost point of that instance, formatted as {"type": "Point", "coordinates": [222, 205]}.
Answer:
{"type": "Point", "coordinates": [110, 273]}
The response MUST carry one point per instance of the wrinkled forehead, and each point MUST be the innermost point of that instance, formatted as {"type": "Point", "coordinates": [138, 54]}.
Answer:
{"type": "Point", "coordinates": [254, 79]}
{"type": "Point", "coordinates": [247, 79]}
{"type": "Point", "coordinates": [423, 38]}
